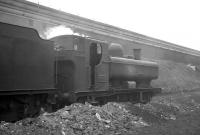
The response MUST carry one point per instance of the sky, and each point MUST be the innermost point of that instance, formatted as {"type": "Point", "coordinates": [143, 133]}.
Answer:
{"type": "Point", "coordinates": [175, 21]}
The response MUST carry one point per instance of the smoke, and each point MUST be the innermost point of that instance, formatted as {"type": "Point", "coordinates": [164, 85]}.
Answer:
{"type": "Point", "coordinates": [60, 30]}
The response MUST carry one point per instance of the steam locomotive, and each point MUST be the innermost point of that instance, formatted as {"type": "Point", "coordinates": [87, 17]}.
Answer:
{"type": "Point", "coordinates": [40, 74]}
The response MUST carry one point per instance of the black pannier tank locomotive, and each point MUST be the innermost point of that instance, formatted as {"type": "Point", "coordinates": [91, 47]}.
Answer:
{"type": "Point", "coordinates": [40, 74]}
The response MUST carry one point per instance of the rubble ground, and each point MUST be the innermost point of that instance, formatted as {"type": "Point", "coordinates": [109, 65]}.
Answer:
{"type": "Point", "coordinates": [111, 118]}
{"type": "Point", "coordinates": [177, 114]}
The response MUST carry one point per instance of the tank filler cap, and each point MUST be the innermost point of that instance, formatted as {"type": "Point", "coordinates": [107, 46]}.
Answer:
{"type": "Point", "coordinates": [115, 50]}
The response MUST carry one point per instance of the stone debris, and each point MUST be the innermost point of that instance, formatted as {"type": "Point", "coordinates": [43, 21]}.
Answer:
{"type": "Point", "coordinates": [83, 119]}
{"type": "Point", "coordinates": [112, 118]}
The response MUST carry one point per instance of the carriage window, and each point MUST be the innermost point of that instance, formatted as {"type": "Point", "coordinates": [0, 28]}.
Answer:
{"type": "Point", "coordinates": [75, 47]}
{"type": "Point", "coordinates": [95, 53]}
{"type": "Point", "coordinates": [99, 51]}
